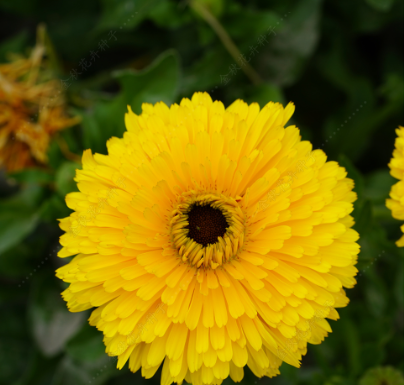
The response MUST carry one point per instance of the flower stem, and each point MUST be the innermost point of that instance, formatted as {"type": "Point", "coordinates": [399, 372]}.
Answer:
{"type": "Point", "coordinates": [204, 12]}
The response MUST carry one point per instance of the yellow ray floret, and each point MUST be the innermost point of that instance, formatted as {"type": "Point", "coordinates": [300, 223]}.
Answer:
{"type": "Point", "coordinates": [396, 203]}
{"type": "Point", "coordinates": [209, 239]}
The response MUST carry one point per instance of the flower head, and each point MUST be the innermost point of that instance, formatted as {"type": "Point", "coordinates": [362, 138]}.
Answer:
{"type": "Point", "coordinates": [396, 203]}
{"type": "Point", "coordinates": [382, 375]}
{"type": "Point", "coordinates": [31, 110]}
{"type": "Point", "coordinates": [209, 239]}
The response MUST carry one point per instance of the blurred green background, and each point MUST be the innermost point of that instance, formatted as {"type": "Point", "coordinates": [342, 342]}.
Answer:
{"type": "Point", "coordinates": [340, 62]}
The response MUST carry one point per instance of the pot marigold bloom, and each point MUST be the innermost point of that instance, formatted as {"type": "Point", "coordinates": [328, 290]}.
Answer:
{"type": "Point", "coordinates": [396, 203]}
{"type": "Point", "coordinates": [31, 110]}
{"type": "Point", "coordinates": [209, 239]}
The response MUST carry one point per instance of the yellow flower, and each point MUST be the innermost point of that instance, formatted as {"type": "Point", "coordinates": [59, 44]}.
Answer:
{"type": "Point", "coordinates": [396, 203]}
{"type": "Point", "coordinates": [210, 239]}
{"type": "Point", "coordinates": [31, 110]}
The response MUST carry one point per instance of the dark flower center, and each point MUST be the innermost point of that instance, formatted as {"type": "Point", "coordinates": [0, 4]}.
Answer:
{"type": "Point", "coordinates": [206, 224]}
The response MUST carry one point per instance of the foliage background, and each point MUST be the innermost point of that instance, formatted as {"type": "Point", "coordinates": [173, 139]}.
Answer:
{"type": "Point", "coordinates": [340, 62]}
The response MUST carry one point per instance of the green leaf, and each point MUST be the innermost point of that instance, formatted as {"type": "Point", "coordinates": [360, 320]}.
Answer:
{"type": "Point", "coordinates": [14, 262]}
{"type": "Point", "coordinates": [363, 216]}
{"type": "Point", "coordinates": [352, 346]}
{"type": "Point", "coordinates": [338, 380]}
{"type": "Point", "coordinates": [378, 185]}
{"type": "Point", "coordinates": [215, 7]}
{"type": "Point", "coordinates": [165, 14]}
{"type": "Point", "coordinates": [205, 73]}
{"type": "Point", "coordinates": [16, 349]}
{"type": "Point", "coordinates": [157, 83]}
{"type": "Point", "coordinates": [55, 155]}
{"type": "Point", "coordinates": [32, 175]}
{"type": "Point", "coordinates": [65, 178]}
{"type": "Point", "coordinates": [393, 87]}
{"type": "Point", "coordinates": [83, 373]}
{"type": "Point", "coordinates": [14, 44]}
{"type": "Point", "coordinates": [265, 93]}
{"type": "Point", "coordinates": [51, 322]}
{"type": "Point", "coordinates": [376, 298]}
{"type": "Point", "coordinates": [38, 370]}
{"type": "Point", "coordinates": [26, 199]}
{"type": "Point", "coordinates": [22, 7]}
{"type": "Point", "coordinates": [247, 22]}
{"type": "Point", "coordinates": [125, 14]}
{"type": "Point", "coordinates": [373, 352]}
{"type": "Point", "coordinates": [92, 137]}
{"type": "Point", "coordinates": [381, 5]}
{"type": "Point", "coordinates": [293, 39]}
{"type": "Point", "coordinates": [54, 208]}
{"type": "Point", "coordinates": [14, 227]}
{"type": "Point", "coordinates": [377, 189]}
{"type": "Point", "coordinates": [104, 121]}
{"type": "Point", "coordinates": [86, 345]}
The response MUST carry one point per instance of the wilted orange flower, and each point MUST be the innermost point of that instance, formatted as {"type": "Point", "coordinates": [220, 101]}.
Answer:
{"type": "Point", "coordinates": [32, 109]}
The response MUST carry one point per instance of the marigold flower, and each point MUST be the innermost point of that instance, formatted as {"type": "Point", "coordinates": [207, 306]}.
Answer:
{"type": "Point", "coordinates": [31, 110]}
{"type": "Point", "coordinates": [210, 239]}
{"type": "Point", "coordinates": [396, 203]}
